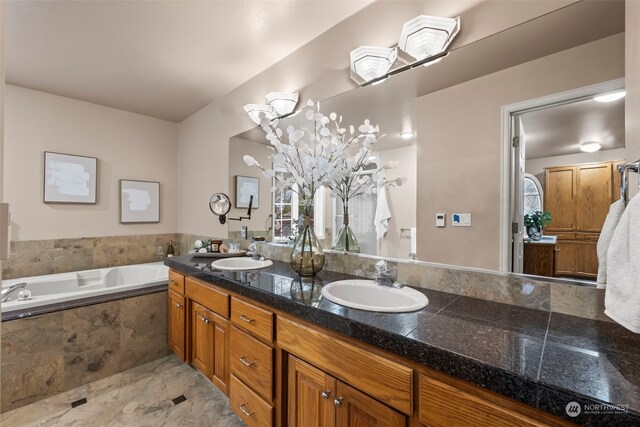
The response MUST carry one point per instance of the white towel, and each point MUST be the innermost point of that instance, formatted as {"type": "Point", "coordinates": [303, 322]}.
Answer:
{"type": "Point", "coordinates": [610, 224]}
{"type": "Point", "coordinates": [383, 214]}
{"type": "Point", "coordinates": [622, 296]}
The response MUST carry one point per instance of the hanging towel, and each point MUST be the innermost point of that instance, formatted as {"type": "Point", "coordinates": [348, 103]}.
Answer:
{"type": "Point", "coordinates": [610, 224]}
{"type": "Point", "coordinates": [622, 295]}
{"type": "Point", "coordinates": [383, 214]}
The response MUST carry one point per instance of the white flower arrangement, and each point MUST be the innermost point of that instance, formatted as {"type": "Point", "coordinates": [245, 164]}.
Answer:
{"type": "Point", "coordinates": [322, 154]}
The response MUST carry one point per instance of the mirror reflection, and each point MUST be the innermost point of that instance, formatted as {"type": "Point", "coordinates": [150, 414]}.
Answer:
{"type": "Point", "coordinates": [507, 156]}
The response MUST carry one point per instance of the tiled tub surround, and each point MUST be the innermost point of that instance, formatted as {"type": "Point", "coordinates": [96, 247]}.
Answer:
{"type": "Point", "coordinates": [536, 356]}
{"type": "Point", "coordinates": [40, 257]}
{"type": "Point", "coordinates": [47, 354]}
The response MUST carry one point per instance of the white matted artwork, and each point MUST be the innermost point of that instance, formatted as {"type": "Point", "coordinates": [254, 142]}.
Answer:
{"type": "Point", "coordinates": [247, 186]}
{"type": "Point", "coordinates": [139, 201]}
{"type": "Point", "coordinates": [69, 178]}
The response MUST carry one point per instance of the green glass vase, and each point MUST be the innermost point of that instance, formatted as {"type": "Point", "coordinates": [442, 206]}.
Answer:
{"type": "Point", "coordinates": [307, 255]}
{"type": "Point", "coordinates": [346, 240]}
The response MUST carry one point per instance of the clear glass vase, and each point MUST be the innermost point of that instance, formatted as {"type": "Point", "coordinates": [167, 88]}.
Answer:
{"type": "Point", "coordinates": [346, 240]}
{"type": "Point", "coordinates": [307, 256]}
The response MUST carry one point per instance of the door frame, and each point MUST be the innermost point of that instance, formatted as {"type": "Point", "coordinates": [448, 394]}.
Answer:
{"type": "Point", "coordinates": [507, 158]}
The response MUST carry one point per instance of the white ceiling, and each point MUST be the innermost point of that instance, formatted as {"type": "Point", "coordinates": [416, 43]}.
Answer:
{"type": "Point", "coordinates": [560, 130]}
{"type": "Point", "coordinates": [165, 59]}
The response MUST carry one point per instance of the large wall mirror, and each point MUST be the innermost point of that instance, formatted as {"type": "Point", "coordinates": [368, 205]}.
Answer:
{"type": "Point", "coordinates": [498, 129]}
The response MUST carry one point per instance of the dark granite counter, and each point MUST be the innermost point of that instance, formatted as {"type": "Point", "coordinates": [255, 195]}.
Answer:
{"type": "Point", "coordinates": [543, 359]}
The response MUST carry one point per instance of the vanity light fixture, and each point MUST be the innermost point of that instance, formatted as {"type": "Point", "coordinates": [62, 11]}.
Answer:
{"type": "Point", "coordinates": [283, 102]}
{"type": "Point", "coordinates": [590, 146]}
{"type": "Point", "coordinates": [425, 36]}
{"type": "Point", "coordinates": [407, 135]}
{"type": "Point", "coordinates": [257, 112]}
{"type": "Point", "coordinates": [370, 63]}
{"type": "Point", "coordinates": [610, 97]}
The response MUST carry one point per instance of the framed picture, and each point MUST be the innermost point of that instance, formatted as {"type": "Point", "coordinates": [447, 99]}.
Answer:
{"type": "Point", "coordinates": [247, 186]}
{"type": "Point", "coordinates": [70, 179]}
{"type": "Point", "coordinates": [139, 201]}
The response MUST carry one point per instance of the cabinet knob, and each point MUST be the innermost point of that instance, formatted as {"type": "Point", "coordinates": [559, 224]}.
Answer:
{"type": "Point", "coordinates": [178, 305]}
{"type": "Point", "coordinates": [205, 320]}
{"type": "Point", "coordinates": [173, 282]}
{"type": "Point", "coordinates": [243, 360]}
{"type": "Point", "coordinates": [337, 402]}
{"type": "Point", "coordinates": [244, 410]}
{"type": "Point", "coordinates": [326, 394]}
{"type": "Point", "coordinates": [247, 319]}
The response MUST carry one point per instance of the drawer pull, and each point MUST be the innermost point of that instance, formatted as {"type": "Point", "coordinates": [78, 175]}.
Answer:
{"type": "Point", "coordinates": [247, 319]}
{"type": "Point", "coordinates": [337, 402]}
{"type": "Point", "coordinates": [247, 413]}
{"type": "Point", "coordinates": [205, 320]}
{"type": "Point", "coordinates": [178, 305]}
{"type": "Point", "coordinates": [173, 282]}
{"type": "Point", "coordinates": [243, 359]}
{"type": "Point", "coordinates": [326, 394]}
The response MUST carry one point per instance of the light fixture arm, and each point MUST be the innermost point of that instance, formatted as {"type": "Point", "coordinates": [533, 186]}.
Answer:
{"type": "Point", "coordinates": [407, 67]}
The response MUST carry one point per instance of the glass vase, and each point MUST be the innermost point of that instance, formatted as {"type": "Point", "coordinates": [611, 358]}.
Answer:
{"type": "Point", "coordinates": [346, 240]}
{"type": "Point", "coordinates": [307, 256]}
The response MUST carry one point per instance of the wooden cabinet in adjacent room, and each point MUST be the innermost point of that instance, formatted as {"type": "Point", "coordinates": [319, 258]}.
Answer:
{"type": "Point", "coordinates": [578, 197]}
{"type": "Point", "coordinates": [539, 259]}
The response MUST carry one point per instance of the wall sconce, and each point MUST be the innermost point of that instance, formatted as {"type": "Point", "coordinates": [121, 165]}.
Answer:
{"type": "Point", "coordinates": [426, 36]}
{"type": "Point", "coordinates": [280, 104]}
{"type": "Point", "coordinates": [423, 41]}
{"type": "Point", "coordinates": [369, 63]}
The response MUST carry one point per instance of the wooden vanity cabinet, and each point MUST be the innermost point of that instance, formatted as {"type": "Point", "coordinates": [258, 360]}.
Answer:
{"type": "Point", "coordinates": [208, 332]}
{"type": "Point", "coordinates": [176, 315]}
{"type": "Point", "coordinates": [316, 399]}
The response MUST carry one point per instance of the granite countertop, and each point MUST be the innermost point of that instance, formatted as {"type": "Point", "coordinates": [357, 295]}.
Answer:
{"type": "Point", "coordinates": [542, 359]}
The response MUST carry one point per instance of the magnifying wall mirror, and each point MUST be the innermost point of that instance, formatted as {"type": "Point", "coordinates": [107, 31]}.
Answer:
{"type": "Point", "coordinates": [220, 205]}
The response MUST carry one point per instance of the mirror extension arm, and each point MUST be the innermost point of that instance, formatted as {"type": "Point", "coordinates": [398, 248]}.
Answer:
{"type": "Point", "coordinates": [248, 212]}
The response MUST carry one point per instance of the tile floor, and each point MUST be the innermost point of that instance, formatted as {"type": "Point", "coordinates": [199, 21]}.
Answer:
{"type": "Point", "coordinates": [142, 396]}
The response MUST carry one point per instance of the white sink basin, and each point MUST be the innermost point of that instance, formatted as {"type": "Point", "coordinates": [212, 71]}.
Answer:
{"type": "Point", "coordinates": [240, 264]}
{"type": "Point", "coordinates": [367, 295]}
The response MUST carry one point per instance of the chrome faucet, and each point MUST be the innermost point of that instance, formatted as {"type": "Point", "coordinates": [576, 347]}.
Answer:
{"type": "Point", "coordinates": [255, 254]}
{"type": "Point", "coordinates": [6, 292]}
{"type": "Point", "coordinates": [382, 276]}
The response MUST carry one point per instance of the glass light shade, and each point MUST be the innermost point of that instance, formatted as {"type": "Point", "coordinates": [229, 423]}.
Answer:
{"type": "Point", "coordinates": [283, 102]}
{"type": "Point", "coordinates": [610, 97]}
{"type": "Point", "coordinates": [425, 36]}
{"type": "Point", "coordinates": [369, 63]}
{"type": "Point", "coordinates": [590, 147]}
{"type": "Point", "coordinates": [257, 111]}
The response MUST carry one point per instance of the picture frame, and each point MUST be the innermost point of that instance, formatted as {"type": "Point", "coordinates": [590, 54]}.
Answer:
{"type": "Point", "coordinates": [70, 179]}
{"type": "Point", "coordinates": [139, 201]}
{"type": "Point", "coordinates": [247, 186]}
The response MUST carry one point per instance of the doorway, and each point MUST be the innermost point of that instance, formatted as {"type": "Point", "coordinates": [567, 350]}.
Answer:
{"type": "Point", "coordinates": [553, 145]}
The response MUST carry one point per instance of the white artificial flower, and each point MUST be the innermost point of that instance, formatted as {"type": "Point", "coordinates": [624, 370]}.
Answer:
{"type": "Point", "coordinates": [198, 244]}
{"type": "Point", "coordinates": [249, 161]}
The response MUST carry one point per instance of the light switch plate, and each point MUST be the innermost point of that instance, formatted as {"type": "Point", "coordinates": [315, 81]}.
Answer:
{"type": "Point", "coordinates": [440, 219]}
{"type": "Point", "coordinates": [461, 220]}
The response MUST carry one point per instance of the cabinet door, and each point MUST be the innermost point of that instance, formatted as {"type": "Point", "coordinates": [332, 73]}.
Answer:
{"type": "Point", "coordinates": [566, 258]}
{"type": "Point", "coordinates": [593, 196]}
{"type": "Point", "coordinates": [311, 395]}
{"type": "Point", "coordinates": [356, 409]}
{"type": "Point", "coordinates": [175, 329]}
{"type": "Point", "coordinates": [201, 339]}
{"type": "Point", "coordinates": [587, 260]}
{"type": "Point", "coordinates": [220, 366]}
{"type": "Point", "coordinates": [559, 198]}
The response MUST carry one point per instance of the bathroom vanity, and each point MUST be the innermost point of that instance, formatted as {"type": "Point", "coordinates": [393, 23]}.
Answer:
{"type": "Point", "coordinates": [285, 356]}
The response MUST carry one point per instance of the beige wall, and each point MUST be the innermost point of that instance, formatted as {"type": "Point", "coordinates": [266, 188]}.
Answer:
{"type": "Point", "coordinates": [402, 201]}
{"type": "Point", "coordinates": [460, 142]}
{"type": "Point", "coordinates": [536, 166]}
{"type": "Point", "coordinates": [632, 82]}
{"type": "Point", "coordinates": [127, 145]}
{"type": "Point", "coordinates": [319, 70]}
{"type": "Point", "coordinates": [259, 217]}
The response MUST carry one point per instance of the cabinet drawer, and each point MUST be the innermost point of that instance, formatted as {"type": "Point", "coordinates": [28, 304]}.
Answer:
{"type": "Point", "coordinates": [213, 299]}
{"type": "Point", "coordinates": [176, 282]}
{"type": "Point", "coordinates": [442, 405]}
{"type": "Point", "coordinates": [249, 406]}
{"type": "Point", "coordinates": [252, 362]}
{"type": "Point", "coordinates": [387, 381]}
{"type": "Point", "coordinates": [252, 319]}
{"type": "Point", "coordinates": [591, 237]}
{"type": "Point", "coordinates": [563, 236]}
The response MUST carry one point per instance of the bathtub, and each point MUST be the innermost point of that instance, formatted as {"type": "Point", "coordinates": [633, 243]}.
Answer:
{"type": "Point", "coordinates": [64, 287]}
